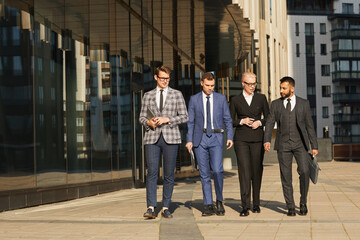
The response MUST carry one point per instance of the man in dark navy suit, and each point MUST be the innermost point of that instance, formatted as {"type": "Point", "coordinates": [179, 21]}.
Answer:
{"type": "Point", "coordinates": [208, 113]}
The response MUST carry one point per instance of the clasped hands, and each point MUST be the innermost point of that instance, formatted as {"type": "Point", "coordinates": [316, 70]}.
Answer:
{"type": "Point", "coordinates": [250, 122]}
{"type": "Point", "coordinates": [157, 121]}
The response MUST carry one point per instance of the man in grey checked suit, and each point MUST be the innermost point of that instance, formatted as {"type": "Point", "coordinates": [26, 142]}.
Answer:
{"type": "Point", "coordinates": [161, 135]}
{"type": "Point", "coordinates": [295, 128]}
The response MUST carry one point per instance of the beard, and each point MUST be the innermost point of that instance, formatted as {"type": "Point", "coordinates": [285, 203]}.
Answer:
{"type": "Point", "coordinates": [286, 95]}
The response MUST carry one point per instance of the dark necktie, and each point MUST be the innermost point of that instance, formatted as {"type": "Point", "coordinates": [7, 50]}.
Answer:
{"type": "Point", "coordinates": [208, 118]}
{"type": "Point", "coordinates": [161, 100]}
{"type": "Point", "coordinates": [288, 105]}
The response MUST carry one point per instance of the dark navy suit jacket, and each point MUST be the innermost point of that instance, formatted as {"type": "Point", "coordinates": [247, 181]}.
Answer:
{"type": "Point", "coordinates": [221, 118]}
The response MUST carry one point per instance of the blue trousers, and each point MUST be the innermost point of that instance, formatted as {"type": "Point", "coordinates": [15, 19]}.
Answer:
{"type": "Point", "coordinates": [209, 154]}
{"type": "Point", "coordinates": [153, 153]}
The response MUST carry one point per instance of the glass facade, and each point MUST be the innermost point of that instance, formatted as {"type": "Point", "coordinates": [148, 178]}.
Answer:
{"type": "Point", "coordinates": [72, 75]}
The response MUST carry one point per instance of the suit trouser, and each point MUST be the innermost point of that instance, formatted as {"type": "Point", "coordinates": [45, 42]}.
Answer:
{"type": "Point", "coordinates": [153, 153]}
{"type": "Point", "coordinates": [209, 154]}
{"type": "Point", "coordinates": [285, 156]}
{"type": "Point", "coordinates": [250, 168]}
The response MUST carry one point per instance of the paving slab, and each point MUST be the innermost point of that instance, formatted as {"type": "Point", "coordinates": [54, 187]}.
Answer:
{"type": "Point", "coordinates": [334, 212]}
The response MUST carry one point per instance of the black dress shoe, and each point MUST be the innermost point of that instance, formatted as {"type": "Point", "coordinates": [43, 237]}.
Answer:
{"type": "Point", "coordinates": [150, 214]}
{"type": "Point", "coordinates": [256, 209]}
{"type": "Point", "coordinates": [166, 214]}
{"type": "Point", "coordinates": [244, 212]}
{"type": "Point", "coordinates": [208, 210]}
{"type": "Point", "coordinates": [220, 208]}
{"type": "Point", "coordinates": [303, 209]}
{"type": "Point", "coordinates": [291, 212]}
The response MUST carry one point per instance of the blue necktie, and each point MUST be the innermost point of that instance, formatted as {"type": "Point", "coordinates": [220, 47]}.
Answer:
{"type": "Point", "coordinates": [208, 118]}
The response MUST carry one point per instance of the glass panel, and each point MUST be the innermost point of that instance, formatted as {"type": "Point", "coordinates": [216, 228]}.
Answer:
{"type": "Point", "coordinates": [100, 82]}
{"type": "Point", "coordinates": [75, 40]}
{"type": "Point", "coordinates": [50, 163]}
{"type": "Point", "coordinates": [16, 97]}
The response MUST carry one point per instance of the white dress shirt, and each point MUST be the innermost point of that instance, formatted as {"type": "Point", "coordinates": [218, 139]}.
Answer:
{"type": "Point", "coordinates": [211, 109]}
{"type": "Point", "coordinates": [158, 96]}
{"type": "Point", "coordinates": [248, 98]}
{"type": "Point", "coordinates": [292, 102]}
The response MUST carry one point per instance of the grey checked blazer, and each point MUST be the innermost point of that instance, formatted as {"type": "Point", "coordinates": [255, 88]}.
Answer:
{"type": "Point", "coordinates": [174, 108]}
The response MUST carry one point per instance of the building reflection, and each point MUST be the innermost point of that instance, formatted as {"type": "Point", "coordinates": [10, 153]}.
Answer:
{"type": "Point", "coordinates": [72, 75]}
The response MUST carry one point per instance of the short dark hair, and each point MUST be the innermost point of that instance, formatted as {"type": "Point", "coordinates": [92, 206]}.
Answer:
{"type": "Point", "coordinates": [162, 69]}
{"type": "Point", "coordinates": [288, 79]}
{"type": "Point", "coordinates": [208, 76]}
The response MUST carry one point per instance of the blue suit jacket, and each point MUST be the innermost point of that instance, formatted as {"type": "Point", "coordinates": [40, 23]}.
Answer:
{"type": "Point", "coordinates": [221, 118]}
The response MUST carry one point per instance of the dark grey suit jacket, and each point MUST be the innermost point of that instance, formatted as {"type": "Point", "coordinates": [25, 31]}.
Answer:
{"type": "Point", "coordinates": [303, 121]}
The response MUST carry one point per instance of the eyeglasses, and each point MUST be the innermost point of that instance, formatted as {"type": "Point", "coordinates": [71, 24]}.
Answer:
{"type": "Point", "coordinates": [164, 79]}
{"type": "Point", "coordinates": [250, 84]}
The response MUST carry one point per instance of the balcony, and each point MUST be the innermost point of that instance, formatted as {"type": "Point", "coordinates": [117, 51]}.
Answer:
{"type": "Point", "coordinates": [345, 76]}
{"type": "Point", "coordinates": [346, 118]}
{"type": "Point", "coordinates": [347, 139]}
{"type": "Point", "coordinates": [345, 33]}
{"type": "Point", "coordinates": [345, 54]}
{"type": "Point", "coordinates": [346, 97]}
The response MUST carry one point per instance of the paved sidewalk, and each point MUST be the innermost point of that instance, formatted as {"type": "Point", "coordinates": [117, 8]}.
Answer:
{"type": "Point", "coordinates": [334, 212]}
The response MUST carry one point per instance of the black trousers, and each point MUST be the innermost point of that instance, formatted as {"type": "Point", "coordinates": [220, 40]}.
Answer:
{"type": "Point", "coordinates": [287, 151]}
{"type": "Point", "coordinates": [250, 168]}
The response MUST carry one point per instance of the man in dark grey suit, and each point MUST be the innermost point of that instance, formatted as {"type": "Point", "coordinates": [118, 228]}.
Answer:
{"type": "Point", "coordinates": [295, 129]}
{"type": "Point", "coordinates": [249, 111]}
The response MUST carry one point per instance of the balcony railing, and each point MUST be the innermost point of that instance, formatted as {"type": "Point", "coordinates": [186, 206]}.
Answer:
{"type": "Point", "coordinates": [345, 54]}
{"type": "Point", "coordinates": [346, 118]}
{"type": "Point", "coordinates": [345, 33]}
{"type": "Point", "coordinates": [346, 97]}
{"type": "Point", "coordinates": [345, 76]}
{"type": "Point", "coordinates": [347, 139]}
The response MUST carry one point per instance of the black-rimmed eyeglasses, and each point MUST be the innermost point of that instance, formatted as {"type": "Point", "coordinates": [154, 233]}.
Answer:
{"type": "Point", "coordinates": [250, 84]}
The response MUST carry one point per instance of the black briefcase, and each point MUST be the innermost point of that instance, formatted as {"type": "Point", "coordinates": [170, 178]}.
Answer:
{"type": "Point", "coordinates": [314, 168]}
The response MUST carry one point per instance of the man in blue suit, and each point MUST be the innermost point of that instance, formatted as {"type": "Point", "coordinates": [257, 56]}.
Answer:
{"type": "Point", "coordinates": [208, 113]}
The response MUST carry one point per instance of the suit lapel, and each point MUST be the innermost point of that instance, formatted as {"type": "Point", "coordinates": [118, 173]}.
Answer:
{"type": "Point", "coordinates": [153, 101]}
{"type": "Point", "coordinates": [168, 97]}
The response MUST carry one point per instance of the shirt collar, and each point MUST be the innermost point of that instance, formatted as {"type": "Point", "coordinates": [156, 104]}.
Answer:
{"type": "Point", "coordinates": [246, 95]}
{"type": "Point", "coordinates": [165, 89]}
{"type": "Point", "coordinates": [204, 95]}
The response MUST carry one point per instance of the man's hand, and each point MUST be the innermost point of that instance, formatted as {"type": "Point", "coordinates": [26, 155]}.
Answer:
{"type": "Point", "coordinates": [151, 123]}
{"type": "Point", "coordinates": [189, 146]}
{"type": "Point", "coordinates": [315, 152]}
{"type": "Point", "coordinates": [161, 120]}
{"type": "Point", "coordinates": [247, 121]}
{"type": "Point", "coordinates": [267, 146]}
{"type": "Point", "coordinates": [255, 124]}
{"type": "Point", "coordinates": [229, 144]}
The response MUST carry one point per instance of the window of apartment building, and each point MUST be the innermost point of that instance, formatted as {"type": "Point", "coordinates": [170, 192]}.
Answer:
{"type": "Point", "coordinates": [309, 50]}
{"type": "Point", "coordinates": [297, 29]}
{"type": "Point", "coordinates": [350, 89]}
{"type": "Point", "coordinates": [323, 49]}
{"type": "Point", "coordinates": [313, 112]}
{"type": "Point", "coordinates": [348, 8]}
{"type": "Point", "coordinates": [297, 50]}
{"type": "Point", "coordinates": [325, 112]}
{"type": "Point", "coordinates": [322, 28]}
{"type": "Point", "coordinates": [355, 66]}
{"type": "Point", "coordinates": [325, 70]}
{"type": "Point", "coordinates": [309, 29]}
{"type": "Point", "coordinates": [326, 91]}
{"type": "Point", "coordinates": [311, 90]}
